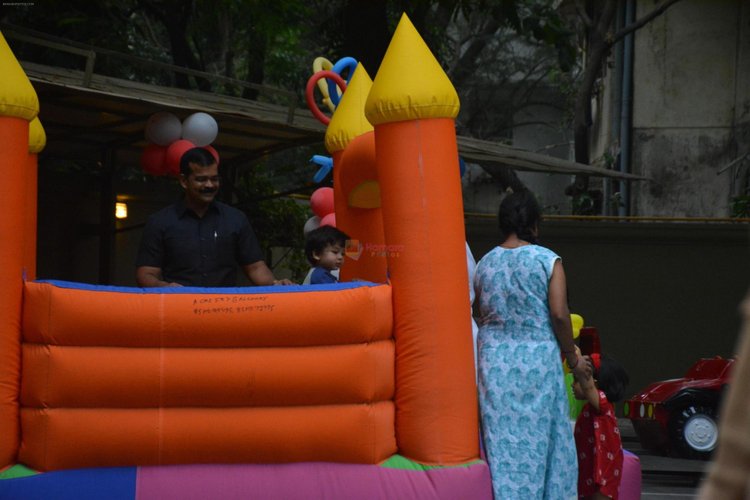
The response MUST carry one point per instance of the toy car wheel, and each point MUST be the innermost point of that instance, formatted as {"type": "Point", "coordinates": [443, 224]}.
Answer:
{"type": "Point", "coordinates": [694, 431]}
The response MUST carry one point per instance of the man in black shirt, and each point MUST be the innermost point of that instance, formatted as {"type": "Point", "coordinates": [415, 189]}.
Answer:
{"type": "Point", "coordinates": [199, 241]}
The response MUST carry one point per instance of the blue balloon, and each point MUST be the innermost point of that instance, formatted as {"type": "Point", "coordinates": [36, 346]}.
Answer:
{"type": "Point", "coordinates": [339, 67]}
{"type": "Point", "coordinates": [326, 165]}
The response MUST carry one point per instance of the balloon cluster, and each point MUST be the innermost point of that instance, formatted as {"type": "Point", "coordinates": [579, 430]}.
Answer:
{"type": "Point", "coordinates": [321, 202]}
{"type": "Point", "coordinates": [327, 77]}
{"type": "Point", "coordinates": [170, 139]}
{"type": "Point", "coordinates": [328, 80]}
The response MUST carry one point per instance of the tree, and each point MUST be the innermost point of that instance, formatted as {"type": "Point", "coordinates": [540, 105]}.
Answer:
{"type": "Point", "coordinates": [595, 20]}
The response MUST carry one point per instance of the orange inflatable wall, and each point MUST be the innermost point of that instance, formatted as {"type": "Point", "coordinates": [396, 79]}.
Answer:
{"type": "Point", "coordinates": [112, 378]}
{"type": "Point", "coordinates": [355, 166]}
{"type": "Point", "coordinates": [14, 144]}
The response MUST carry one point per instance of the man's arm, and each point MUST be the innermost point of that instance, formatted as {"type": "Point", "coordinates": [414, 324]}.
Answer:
{"type": "Point", "coordinates": [259, 274]}
{"type": "Point", "coordinates": [150, 277]}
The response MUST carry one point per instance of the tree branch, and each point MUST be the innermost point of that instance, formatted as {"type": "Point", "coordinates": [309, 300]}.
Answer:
{"type": "Point", "coordinates": [582, 14]}
{"type": "Point", "coordinates": [659, 10]}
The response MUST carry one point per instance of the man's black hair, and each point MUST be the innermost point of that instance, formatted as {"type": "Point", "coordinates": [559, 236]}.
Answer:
{"type": "Point", "coordinates": [612, 378]}
{"type": "Point", "coordinates": [200, 156]}
{"type": "Point", "coordinates": [318, 239]}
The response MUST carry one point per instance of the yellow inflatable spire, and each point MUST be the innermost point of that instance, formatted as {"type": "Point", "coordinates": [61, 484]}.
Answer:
{"type": "Point", "coordinates": [17, 98]}
{"type": "Point", "coordinates": [37, 137]}
{"type": "Point", "coordinates": [349, 119]}
{"type": "Point", "coordinates": [410, 84]}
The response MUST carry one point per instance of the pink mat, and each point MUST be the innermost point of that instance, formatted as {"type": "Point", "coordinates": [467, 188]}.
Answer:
{"type": "Point", "coordinates": [310, 481]}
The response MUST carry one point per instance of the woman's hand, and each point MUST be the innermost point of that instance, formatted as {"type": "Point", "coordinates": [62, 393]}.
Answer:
{"type": "Point", "coordinates": [581, 366]}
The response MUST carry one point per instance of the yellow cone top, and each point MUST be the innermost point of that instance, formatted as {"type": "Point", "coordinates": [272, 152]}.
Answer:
{"type": "Point", "coordinates": [410, 83]}
{"type": "Point", "coordinates": [349, 119]}
{"type": "Point", "coordinates": [17, 97]}
{"type": "Point", "coordinates": [37, 137]}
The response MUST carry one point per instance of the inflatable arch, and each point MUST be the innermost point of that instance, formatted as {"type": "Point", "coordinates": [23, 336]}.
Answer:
{"type": "Point", "coordinates": [362, 389]}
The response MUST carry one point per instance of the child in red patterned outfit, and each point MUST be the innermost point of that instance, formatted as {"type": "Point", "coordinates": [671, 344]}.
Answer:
{"type": "Point", "coordinates": [596, 433]}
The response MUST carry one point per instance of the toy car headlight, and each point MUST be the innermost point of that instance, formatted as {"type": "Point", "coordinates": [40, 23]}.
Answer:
{"type": "Point", "coordinates": [642, 410]}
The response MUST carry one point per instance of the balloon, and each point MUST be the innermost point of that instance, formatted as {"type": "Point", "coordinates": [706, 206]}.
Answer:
{"type": "Point", "coordinates": [310, 93]}
{"type": "Point", "coordinates": [312, 224]}
{"type": "Point", "coordinates": [328, 220]}
{"type": "Point", "coordinates": [153, 159]}
{"type": "Point", "coordinates": [326, 164]}
{"type": "Point", "coordinates": [200, 128]}
{"type": "Point", "coordinates": [342, 64]}
{"type": "Point", "coordinates": [174, 155]}
{"type": "Point", "coordinates": [320, 64]}
{"type": "Point", "coordinates": [321, 201]}
{"type": "Point", "coordinates": [213, 152]}
{"type": "Point", "coordinates": [163, 128]}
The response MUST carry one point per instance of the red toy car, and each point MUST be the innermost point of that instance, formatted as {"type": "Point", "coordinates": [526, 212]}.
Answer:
{"type": "Point", "coordinates": [680, 416]}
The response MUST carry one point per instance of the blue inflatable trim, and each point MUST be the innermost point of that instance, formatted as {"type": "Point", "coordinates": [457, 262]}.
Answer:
{"type": "Point", "coordinates": [116, 483]}
{"type": "Point", "coordinates": [224, 291]}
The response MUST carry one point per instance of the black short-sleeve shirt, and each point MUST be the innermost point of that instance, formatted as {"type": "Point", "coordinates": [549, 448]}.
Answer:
{"type": "Point", "coordinates": [199, 251]}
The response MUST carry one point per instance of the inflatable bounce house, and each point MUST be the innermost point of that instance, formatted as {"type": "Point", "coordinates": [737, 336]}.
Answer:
{"type": "Point", "coordinates": [362, 389]}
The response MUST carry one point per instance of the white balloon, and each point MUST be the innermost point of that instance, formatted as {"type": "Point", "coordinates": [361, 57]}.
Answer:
{"type": "Point", "coordinates": [163, 128]}
{"type": "Point", "coordinates": [200, 128]}
{"type": "Point", "coordinates": [312, 224]}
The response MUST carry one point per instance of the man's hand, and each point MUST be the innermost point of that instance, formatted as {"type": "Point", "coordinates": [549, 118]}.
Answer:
{"type": "Point", "coordinates": [284, 282]}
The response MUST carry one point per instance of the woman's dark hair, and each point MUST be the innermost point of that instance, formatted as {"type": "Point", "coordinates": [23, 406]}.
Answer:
{"type": "Point", "coordinates": [519, 213]}
{"type": "Point", "coordinates": [612, 378]}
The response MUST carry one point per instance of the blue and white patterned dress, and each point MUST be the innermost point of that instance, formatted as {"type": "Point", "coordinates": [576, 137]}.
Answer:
{"type": "Point", "coordinates": [527, 435]}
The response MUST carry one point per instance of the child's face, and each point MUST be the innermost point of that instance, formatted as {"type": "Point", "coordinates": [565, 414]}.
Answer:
{"type": "Point", "coordinates": [331, 258]}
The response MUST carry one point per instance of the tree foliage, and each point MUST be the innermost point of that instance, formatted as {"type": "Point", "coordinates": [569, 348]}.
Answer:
{"type": "Point", "coordinates": [502, 55]}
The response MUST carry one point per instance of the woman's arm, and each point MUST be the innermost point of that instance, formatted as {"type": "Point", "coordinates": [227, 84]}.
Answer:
{"type": "Point", "coordinates": [560, 318]}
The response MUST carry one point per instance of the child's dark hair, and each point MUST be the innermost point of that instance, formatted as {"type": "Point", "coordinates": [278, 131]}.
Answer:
{"type": "Point", "coordinates": [611, 378]}
{"type": "Point", "coordinates": [318, 239]}
{"type": "Point", "coordinates": [519, 213]}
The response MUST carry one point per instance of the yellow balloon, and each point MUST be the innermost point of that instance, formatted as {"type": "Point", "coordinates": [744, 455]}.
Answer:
{"type": "Point", "coordinates": [323, 64]}
{"type": "Point", "coordinates": [577, 323]}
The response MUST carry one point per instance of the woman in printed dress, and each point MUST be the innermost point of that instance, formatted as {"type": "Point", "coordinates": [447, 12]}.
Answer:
{"type": "Point", "coordinates": [524, 324]}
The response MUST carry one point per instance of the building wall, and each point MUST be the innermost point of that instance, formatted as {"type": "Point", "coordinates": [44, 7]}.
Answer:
{"type": "Point", "coordinates": [661, 295]}
{"type": "Point", "coordinates": [691, 106]}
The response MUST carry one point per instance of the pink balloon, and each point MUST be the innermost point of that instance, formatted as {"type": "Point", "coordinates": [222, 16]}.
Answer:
{"type": "Point", "coordinates": [321, 201]}
{"type": "Point", "coordinates": [213, 152]}
{"type": "Point", "coordinates": [153, 159]}
{"type": "Point", "coordinates": [328, 220]}
{"type": "Point", "coordinates": [174, 155]}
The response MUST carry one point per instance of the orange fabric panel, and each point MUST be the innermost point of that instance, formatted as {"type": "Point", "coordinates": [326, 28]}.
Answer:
{"type": "Point", "coordinates": [291, 319]}
{"type": "Point", "coordinates": [30, 217]}
{"type": "Point", "coordinates": [14, 144]}
{"type": "Point", "coordinates": [353, 166]}
{"type": "Point", "coordinates": [73, 438]}
{"type": "Point", "coordinates": [112, 377]}
{"type": "Point", "coordinates": [423, 217]}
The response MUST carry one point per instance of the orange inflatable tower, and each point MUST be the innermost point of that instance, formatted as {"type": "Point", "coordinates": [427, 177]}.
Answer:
{"type": "Point", "coordinates": [412, 106]}
{"type": "Point", "coordinates": [18, 105]}
{"type": "Point", "coordinates": [37, 140]}
{"type": "Point", "coordinates": [351, 142]}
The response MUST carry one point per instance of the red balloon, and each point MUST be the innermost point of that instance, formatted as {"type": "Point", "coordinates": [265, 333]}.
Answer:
{"type": "Point", "coordinates": [213, 152]}
{"type": "Point", "coordinates": [328, 220]}
{"type": "Point", "coordinates": [153, 159]}
{"type": "Point", "coordinates": [174, 155]}
{"type": "Point", "coordinates": [321, 201]}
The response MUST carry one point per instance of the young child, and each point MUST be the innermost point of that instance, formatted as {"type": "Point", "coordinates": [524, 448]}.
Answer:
{"type": "Point", "coordinates": [597, 436]}
{"type": "Point", "coordinates": [324, 249]}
